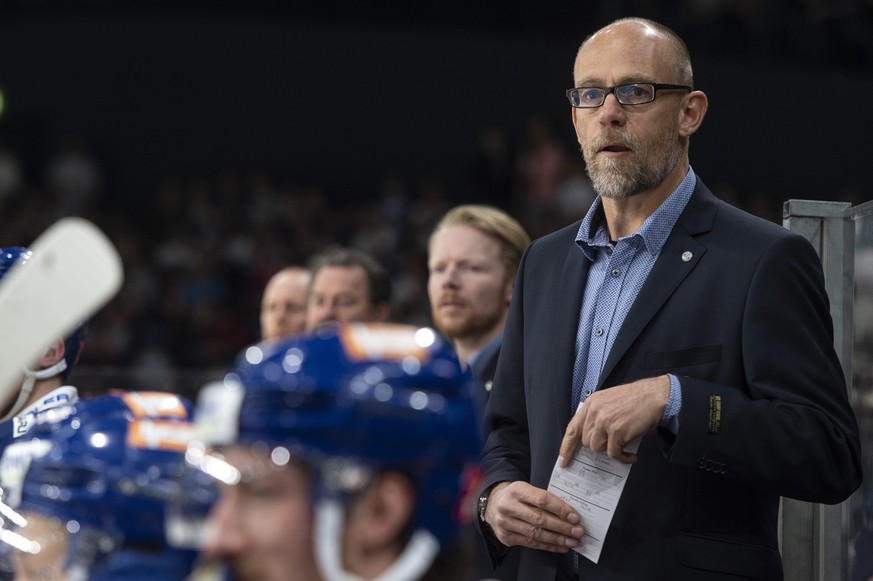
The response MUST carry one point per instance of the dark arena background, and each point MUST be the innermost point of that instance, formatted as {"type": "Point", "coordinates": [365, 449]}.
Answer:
{"type": "Point", "coordinates": [215, 142]}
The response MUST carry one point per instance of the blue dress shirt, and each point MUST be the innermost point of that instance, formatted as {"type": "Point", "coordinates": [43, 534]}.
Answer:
{"type": "Point", "coordinates": [616, 276]}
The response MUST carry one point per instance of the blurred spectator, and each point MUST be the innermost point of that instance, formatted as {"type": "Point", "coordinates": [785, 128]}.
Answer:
{"type": "Point", "coordinates": [74, 178]}
{"type": "Point", "coordinates": [431, 202]}
{"type": "Point", "coordinates": [11, 174]}
{"type": "Point", "coordinates": [542, 166]}
{"type": "Point", "coordinates": [492, 175]}
{"type": "Point", "coordinates": [408, 290]}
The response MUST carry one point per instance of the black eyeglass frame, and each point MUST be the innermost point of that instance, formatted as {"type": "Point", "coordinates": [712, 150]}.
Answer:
{"type": "Point", "coordinates": [611, 90]}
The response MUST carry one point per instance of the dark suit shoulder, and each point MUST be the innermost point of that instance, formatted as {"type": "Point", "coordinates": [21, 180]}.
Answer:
{"type": "Point", "coordinates": [706, 215]}
{"type": "Point", "coordinates": [751, 224]}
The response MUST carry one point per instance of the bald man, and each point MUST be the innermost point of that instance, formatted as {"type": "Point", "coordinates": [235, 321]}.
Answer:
{"type": "Point", "coordinates": [283, 304]}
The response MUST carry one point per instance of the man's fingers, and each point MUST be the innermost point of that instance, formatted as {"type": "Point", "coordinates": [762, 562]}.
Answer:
{"type": "Point", "coordinates": [615, 450]}
{"type": "Point", "coordinates": [569, 445]}
{"type": "Point", "coordinates": [540, 504]}
{"type": "Point", "coordinates": [572, 437]}
{"type": "Point", "coordinates": [553, 544]}
{"type": "Point", "coordinates": [546, 535]}
{"type": "Point", "coordinates": [530, 516]}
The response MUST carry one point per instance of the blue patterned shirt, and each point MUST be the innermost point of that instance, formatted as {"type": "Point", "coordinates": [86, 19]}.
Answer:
{"type": "Point", "coordinates": [617, 274]}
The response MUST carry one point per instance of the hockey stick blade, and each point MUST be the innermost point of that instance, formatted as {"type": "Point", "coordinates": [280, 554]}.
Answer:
{"type": "Point", "coordinates": [73, 272]}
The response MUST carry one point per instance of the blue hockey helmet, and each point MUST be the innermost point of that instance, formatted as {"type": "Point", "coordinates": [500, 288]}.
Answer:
{"type": "Point", "coordinates": [73, 345]}
{"type": "Point", "coordinates": [358, 400]}
{"type": "Point", "coordinates": [103, 469]}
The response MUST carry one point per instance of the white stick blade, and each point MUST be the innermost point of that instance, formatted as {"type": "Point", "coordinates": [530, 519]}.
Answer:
{"type": "Point", "coordinates": [73, 272]}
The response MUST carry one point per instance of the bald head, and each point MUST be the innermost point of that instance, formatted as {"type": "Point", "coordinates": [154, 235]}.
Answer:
{"type": "Point", "coordinates": [650, 39]}
{"type": "Point", "coordinates": [283, 305]}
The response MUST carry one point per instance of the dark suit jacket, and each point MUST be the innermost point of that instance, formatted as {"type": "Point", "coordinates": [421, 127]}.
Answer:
{"type": "Point", "coordinates": [483, 368]}
{"type": "Point", "coordinates": [735, 306]}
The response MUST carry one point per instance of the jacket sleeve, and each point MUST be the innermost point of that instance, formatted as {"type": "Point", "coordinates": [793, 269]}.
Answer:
{"type": "Point", "coordinates": [506, 455]}
{"type": "Point", "coordinates": [791, 429]}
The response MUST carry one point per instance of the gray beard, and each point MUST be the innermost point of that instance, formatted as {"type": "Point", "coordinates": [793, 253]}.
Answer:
{"type": "Point", "coordinates": [619, 179]}
{"type": "Point", "coordinates": [611, 180]}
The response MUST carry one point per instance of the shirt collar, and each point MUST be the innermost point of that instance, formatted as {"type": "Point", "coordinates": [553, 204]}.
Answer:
{"type": "Point", "coordinates": [592, 235]}
{"type": "Point", "coordinates": [64, 395]}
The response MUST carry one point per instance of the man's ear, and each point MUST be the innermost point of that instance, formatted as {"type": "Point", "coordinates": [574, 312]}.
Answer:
{"type": "Point", "coordinates": [53, 354]}
{"type": "Point", "coordinates": [380, 516]}
{"type": "Point", "coordinates": [693, 112]}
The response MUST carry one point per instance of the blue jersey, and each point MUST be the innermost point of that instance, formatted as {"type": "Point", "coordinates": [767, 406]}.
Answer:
{"type": "Point", "coordinates": [139, 564]}
{"type": "Point", "coordinates": [17, 427]}
{"type": "Point", "coordinates": [20, 425]}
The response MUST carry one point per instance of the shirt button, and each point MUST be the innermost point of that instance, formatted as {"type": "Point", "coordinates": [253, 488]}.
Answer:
{"type": "Point", "coordinates": [615, 272]}
{"type": "Point", "coordinates": [598, 332]}
{"type": "Point", "coordinates": [587, 392]}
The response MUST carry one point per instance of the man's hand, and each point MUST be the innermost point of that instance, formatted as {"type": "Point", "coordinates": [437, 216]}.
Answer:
{"type": "Point", "coordinates": [522, 514]}
{"type": "Point", "coordinates": [611, 418]}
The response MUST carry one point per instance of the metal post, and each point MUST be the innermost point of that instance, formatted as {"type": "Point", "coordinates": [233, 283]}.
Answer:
{"type": "Point", "coordinates": [814, 537]}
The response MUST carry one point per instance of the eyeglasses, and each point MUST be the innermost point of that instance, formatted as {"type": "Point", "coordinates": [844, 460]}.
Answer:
{"type": "Point", "coordinates": [633, 94]}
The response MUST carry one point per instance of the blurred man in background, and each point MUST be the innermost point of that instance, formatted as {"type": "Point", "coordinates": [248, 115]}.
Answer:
{"type": "Point", "coordinates": [283, 304]}
{"type": "Point", "coordinates": [347, 285]}
{"type": "Point", "coordinates": [473, 256]}
{"type": "Point", "coordinates": [472, 260]}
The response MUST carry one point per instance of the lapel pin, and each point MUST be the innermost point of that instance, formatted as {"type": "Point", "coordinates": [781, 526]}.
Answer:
{"type": "Point", "coordinates": [686, 256]}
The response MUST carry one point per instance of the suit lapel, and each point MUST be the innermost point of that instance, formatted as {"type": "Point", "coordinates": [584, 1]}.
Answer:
{"type": "Point", "coordinates": [568, 298]}
{"type": "Point", "coordinates": [679, 256]}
